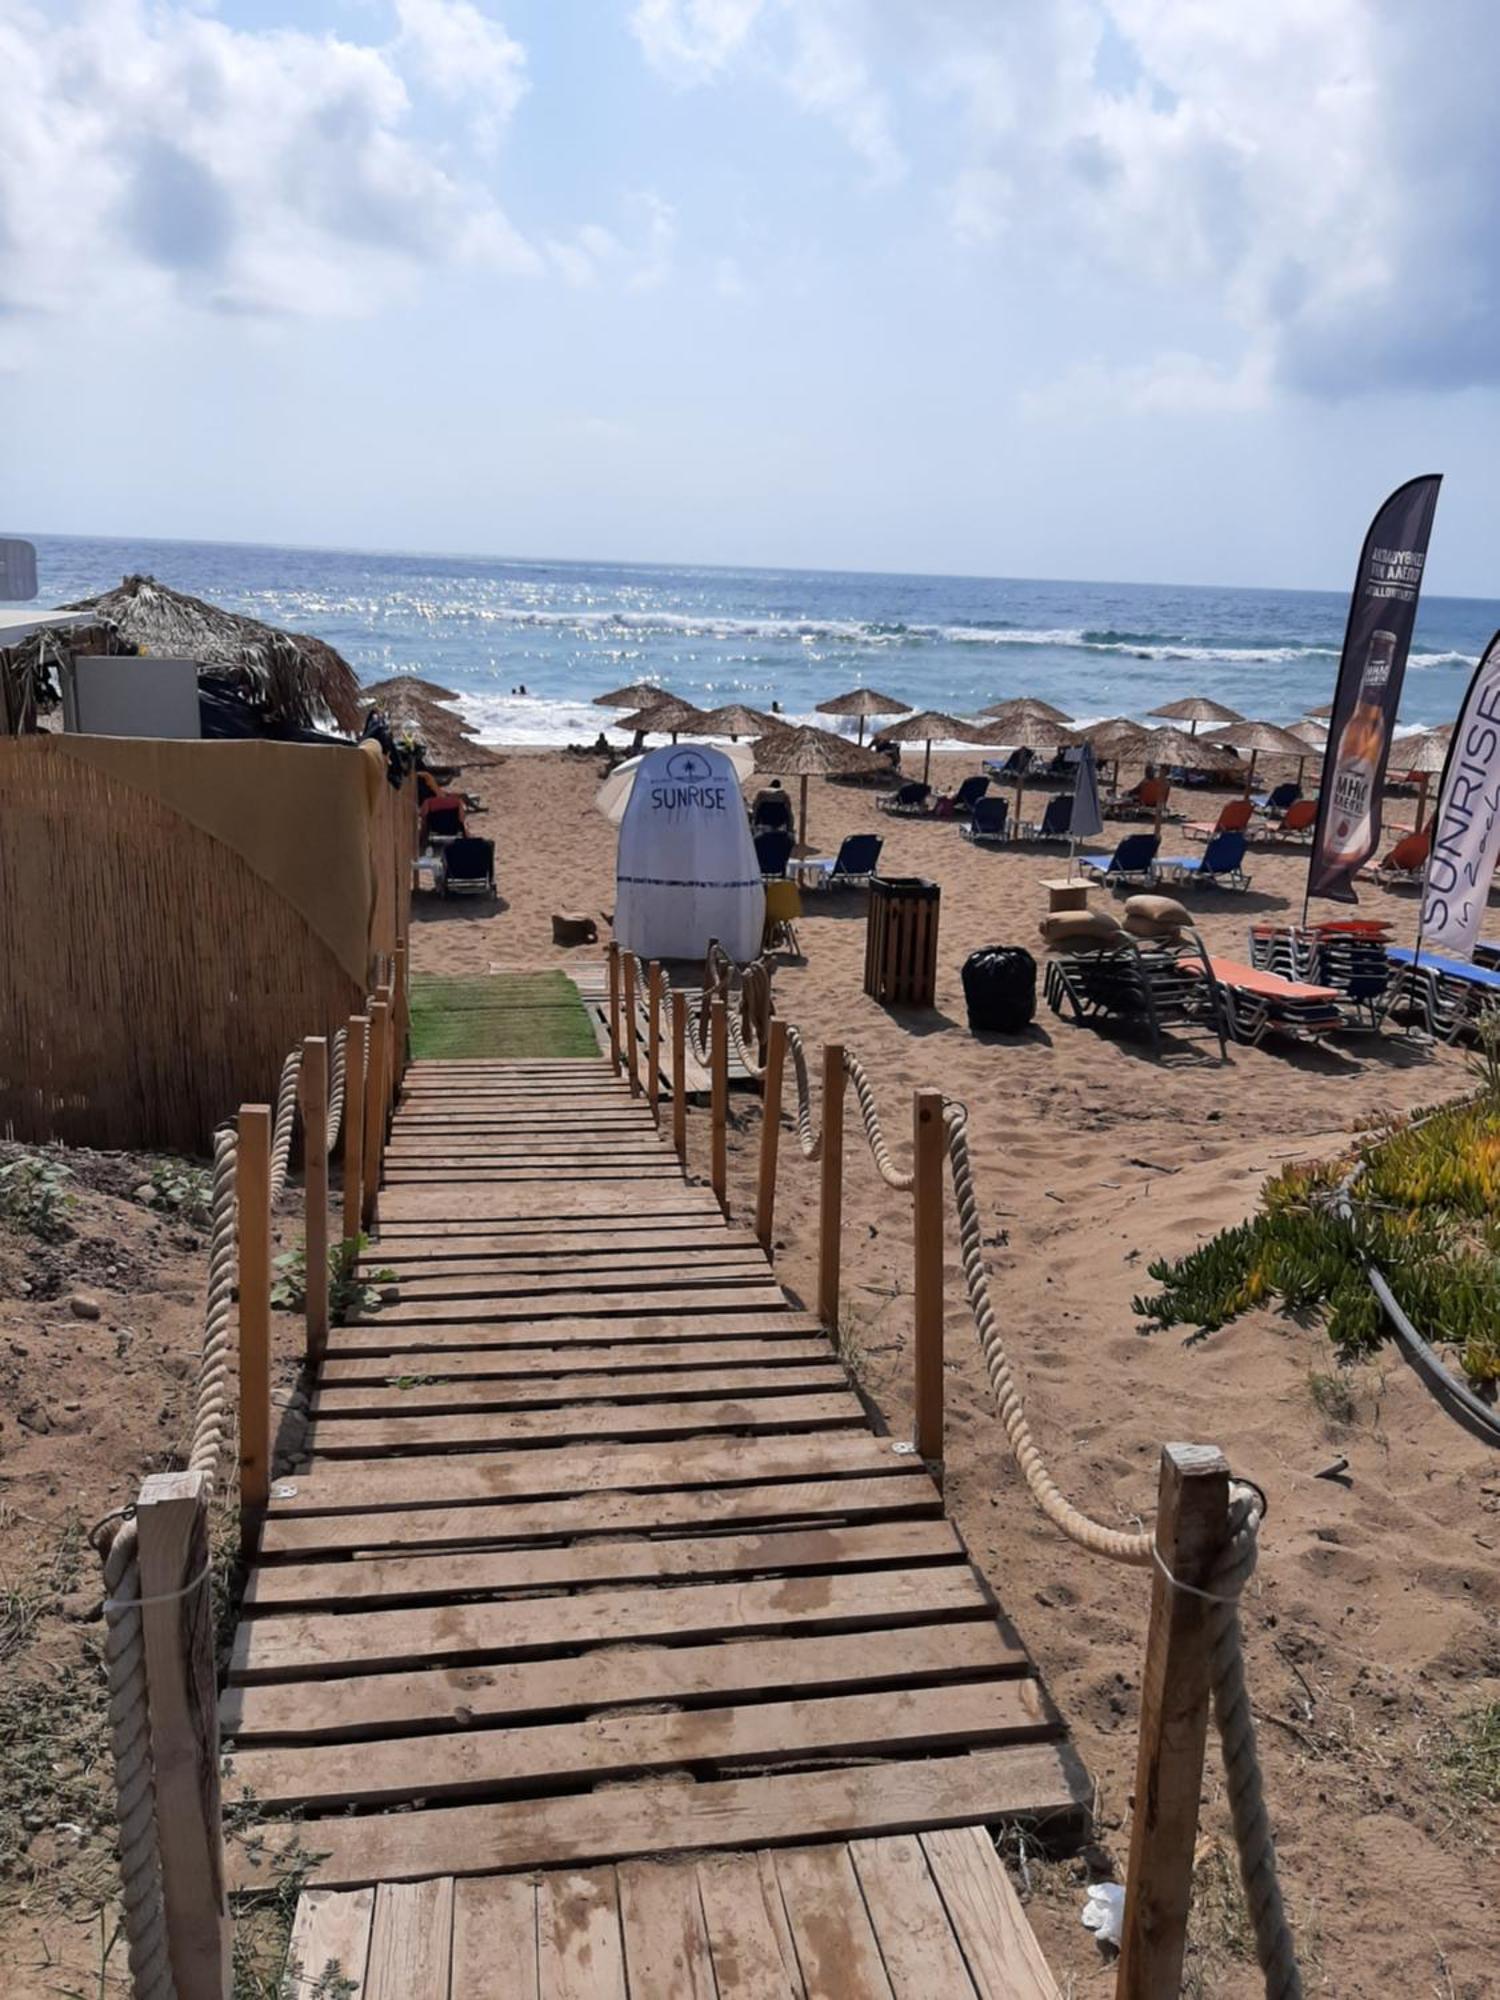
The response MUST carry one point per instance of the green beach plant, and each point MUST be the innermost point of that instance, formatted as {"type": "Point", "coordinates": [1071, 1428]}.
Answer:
{"type": "Point", "coordinates": [1425, 1211]}
{"type": "Point", "coordinates": [35, 1196]}
{"type": "Point", "coordinates": [350, 1290]}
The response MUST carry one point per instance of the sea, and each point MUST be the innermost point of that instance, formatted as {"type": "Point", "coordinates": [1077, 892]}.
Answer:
{"type": "Point", "coordinates": [527, 645]}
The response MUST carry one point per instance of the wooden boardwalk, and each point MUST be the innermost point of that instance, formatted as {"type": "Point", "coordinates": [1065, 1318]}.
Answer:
{"type": "Point", "coordinates": [595, 1557]}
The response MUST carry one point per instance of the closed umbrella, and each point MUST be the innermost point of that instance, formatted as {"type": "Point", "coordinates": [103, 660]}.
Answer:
{"type": "Point", "coordinates": [1196, 708]}
{"type": "Point", "coordinates": [1024, 733]}
{"type": "Point", "coordinates": [811, 753]}
{"type": "Point", "coordinates": [929, 726]}
{"type": "Point", "coordinates": [1261, 739]}
{"type": "Point", "coordinates": [863, 702]}
{"type": "Point", "coordinates": [1086, 821]}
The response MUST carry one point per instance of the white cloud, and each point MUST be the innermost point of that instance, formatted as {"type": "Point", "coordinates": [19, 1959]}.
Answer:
{"type": "Point", "coordinates": [463, 55]}
{"type": "Point", "coordinates": [593, 253]}
{"type": "Point", "coordinates": [692, 40]}
{"type": "Point", "coordinates": [156, 156]}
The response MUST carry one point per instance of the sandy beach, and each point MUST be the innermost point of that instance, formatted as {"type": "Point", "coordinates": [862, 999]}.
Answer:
{"type": "Point", "coordinates": [1372, 1625]}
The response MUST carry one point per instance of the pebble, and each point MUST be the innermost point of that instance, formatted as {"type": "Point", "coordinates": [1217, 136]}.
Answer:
{"type": "Point", "coordinates": [390, 1295]}
{"type": "Point", "coordinates": [82, 1306]}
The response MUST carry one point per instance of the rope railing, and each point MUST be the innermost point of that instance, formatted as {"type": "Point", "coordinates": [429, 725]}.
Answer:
{"type": "Point", "coordinates": [146, 1904]}
{"type": "Point", "coordinates": [1195, 1617]}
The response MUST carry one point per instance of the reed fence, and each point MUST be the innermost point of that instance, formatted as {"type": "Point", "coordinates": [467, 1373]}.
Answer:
{"type": "Point", "coordinates": [1201, 1550]}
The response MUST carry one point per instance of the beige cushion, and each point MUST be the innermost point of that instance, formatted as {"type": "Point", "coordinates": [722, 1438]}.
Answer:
{"type": "Point", "coordinates": [1082, 930]}
{"type": "Point", "coordinates": [1156, 916]}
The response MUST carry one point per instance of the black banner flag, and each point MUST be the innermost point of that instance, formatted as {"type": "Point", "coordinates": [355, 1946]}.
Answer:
{"type": "Point", "coordinates": [1377, 639]}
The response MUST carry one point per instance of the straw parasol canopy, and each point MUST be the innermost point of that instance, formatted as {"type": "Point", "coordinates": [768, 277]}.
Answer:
{"type": "Point", "coordinates": [812, 753]}
{"type": "Point", "coordinates": [929, 726]}
{"type": "Point", "coordinates": [666, 717]}
{"type": "Point", "coordinates": [863, 702]}
{"type": "Point", "coordinates": [640, 694]}
{"type": "Point", "coordinates": [1261, 739]}
{"type": "Point", "coordinates": [1175, 747]}
{"type": "Point", "coordinates": [1196, 708]}
{"type": "Point", "coordinates": [1026, 707]}
{"type": "Point", "coordinates": [1313, 736]}
{"type": "Point", "coordinates": [1421, 757]}
{"type": "Point", "coordinates": [291, 678]}
{"type": "Point", "coordinates": [1323, 714]}
{"type": "Point", "coordinates": [446, 737]}
{"type": "Point", "coordinates": [396, 684]}
{"type": "Point", "coordinates": [1022, 732]}
{"type": "Point", "coordinates": [735, 720]}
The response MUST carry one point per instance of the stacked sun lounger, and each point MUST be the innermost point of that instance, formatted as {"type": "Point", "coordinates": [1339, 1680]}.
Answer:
{"type": "Point", "coordinates": [1447, 994]}
{"type": "Point", "coordinates": [1349, 956]}
{"type": "Point", "coordinates": [1257, 1004]}
{"type": "Point", "coordinates": [1164, 988]}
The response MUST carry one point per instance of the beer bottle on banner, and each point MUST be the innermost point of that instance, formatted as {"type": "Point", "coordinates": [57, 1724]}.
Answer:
{"type": "Point", "coordinates": [1360, 753]}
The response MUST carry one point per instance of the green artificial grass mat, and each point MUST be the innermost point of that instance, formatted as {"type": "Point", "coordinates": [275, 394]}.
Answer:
{"type": "Point", "coordinates": [504, 1014]}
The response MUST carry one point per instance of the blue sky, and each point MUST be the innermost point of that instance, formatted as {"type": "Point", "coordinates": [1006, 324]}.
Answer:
{"type": "Point", "coordinates": [1097, 288]}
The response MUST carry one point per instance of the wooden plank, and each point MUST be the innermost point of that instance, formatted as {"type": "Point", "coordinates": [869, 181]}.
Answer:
{"type": "Point", "coordinates": [1041, 1782]}
{"type": "Point", "coordinates": [520, 1475]}
{"type": "Point", "coordinates": [830, 1926]}
{"type": "Point", "coordinates": [580, 1953]}
{"type": "Point", "coordinates": [696, 1676]}
{"type": "Point", "coordinates": [666, 1940]}
{"type": "Point", "coordinates": [330, 1945]}
{"type": "Point", "coordinates": [494, 1938]}
{"type": "Point", "coordinates": [603, 1264]}
{"type": "Point", "coordinates": [474, 1234]}
{"type": "Point", "coordinates": [580, 1204]}
{"type": "Point", "coordinates": [411, 1395]}
{"type": "Point", "coordinates": [411, 1941]}
{"type": "Point", "coordinates": [716, 1323]}
{"type": "Point", "coordinates": [753, 1956]}
{"type": "Point", "coordinates": [1004, 1959]}
{"type": "Point", "coordinates": [310, 1644]}
{"type": "Point", "coordinates": [486, 1763]}
{"type": "Point", "coordinates": [695, 1508]}
{"type": "Point", "coordinates": [743, 1294]}
{"type": "Point", "coordinates": [364, 1437]}
{"type": "Point", "coordinates": [414, 1250]}
{"type": "Point", "coordinates": [580, 1363]}
{"type": "Point", "coordinates": [590, 1171]}
{"type": "Point", "coordinates": [917, 1945]}
{"type": "Point", "coordinates": [274, 1586]}
{"type": "Point", "coordinates": [446, 1287]}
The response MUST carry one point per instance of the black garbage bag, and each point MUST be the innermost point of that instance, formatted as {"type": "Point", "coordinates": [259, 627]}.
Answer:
{"type": "Point", "coordinates": [1000, 989]}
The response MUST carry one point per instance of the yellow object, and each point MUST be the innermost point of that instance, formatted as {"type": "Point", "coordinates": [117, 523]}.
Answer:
{"type": "Point", "coordinates": [783, 912]}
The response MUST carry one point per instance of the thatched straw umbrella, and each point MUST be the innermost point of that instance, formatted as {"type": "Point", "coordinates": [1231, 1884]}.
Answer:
{"type": "Point", "coordinates": [1314, 738]}
{"type": "Point", "coordinates": [1114, 739]}
{"type": "Point", "coordinates": [929, 726]}
{"type": "Point", "coordinates": [1261, 739]}
{"type": "Point", "coordinates": [734, 720]}
{"type": "Point", "coordinates": [811, 753]}
{"type": "Point", "coordinates": [1026, 708]}
{"type": "Point", "coordinates": [1175, 747]}
{"type": "Point", "coordinates": [1421, 757]}
{"type": "Point", "coordinates": [640, 694]}
{"type": "Point", "coordinates": [863, 702]}
{"type": "Point", "coordinates": [667, 717]}
{"type": "Point", "coordinates": [395, 684]}
{"type": "Point", "coordinates": [1196, 708]}
{"type": "Point", "coordinates": [446, 737]}
{"type": "Point", "coordinates": [1323, 714]}
{"type": "Point", "coordinates": [295, 681]}
{"type": "Point", "coordinates": [1022, 732]}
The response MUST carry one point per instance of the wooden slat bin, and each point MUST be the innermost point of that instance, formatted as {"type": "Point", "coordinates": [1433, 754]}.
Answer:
{"type": "Point", "coordinates": [901, 941]}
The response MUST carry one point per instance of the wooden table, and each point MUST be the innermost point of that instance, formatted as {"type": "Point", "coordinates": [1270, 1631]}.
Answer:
{"type": "Point", "coordinates": [1069, 894]}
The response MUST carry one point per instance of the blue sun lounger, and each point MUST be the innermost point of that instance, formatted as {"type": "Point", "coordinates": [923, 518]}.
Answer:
{"type": "Point", "coordinates": [1134, 860]}
{"type": "Point", "coordinates": [1222, 862]}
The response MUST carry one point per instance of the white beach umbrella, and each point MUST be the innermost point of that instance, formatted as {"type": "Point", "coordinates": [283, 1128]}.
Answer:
{"type": "Point", "coordinates": [613, 795]}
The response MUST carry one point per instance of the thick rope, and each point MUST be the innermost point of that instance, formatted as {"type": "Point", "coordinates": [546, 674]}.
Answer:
{"type": "Point", "coordinates": [284, 1125]}
{"type": "Point", "coordinates": [810, 1142]}
{"type": "Point", "coordinates": [336, 1067]}
{"type": "Point", "coordinates": [211, 1420]}
{"type": "Point", "coordinates": [890, 1173]}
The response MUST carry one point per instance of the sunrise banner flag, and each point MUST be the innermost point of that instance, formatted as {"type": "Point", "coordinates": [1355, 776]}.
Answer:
{"type": "Point", "coordinates": [1466, 827]}
{"type": "Point", "coordinates": [1377, 639]}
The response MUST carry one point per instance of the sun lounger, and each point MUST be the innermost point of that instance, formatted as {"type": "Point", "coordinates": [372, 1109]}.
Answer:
{"type": "Point", "coordinates": [1159, 988]}
{"type": "Point", "coordinates": [969, 793]}
{"type": "Point", "coordinates": [910, 800]}
{"type": "Point", "coordinates": [1054, 822]}
{"type": "Point", "coordinates": [1406, 862]}
{"type": "Point", "coordinates": [851, 868]}
{"type": "Point", "coordinates": [1296, 823]}
{"type": "Point", "coordinates": [1221, 863]}
{"type": "Point", "coordinates": [469, 867]}
{"type": "Point", "coordinates": [1258, 1003]}
{"type": "Point", "coordinates": [1134, 860]}
{"type": "Point", "coordinates": [1447, 994]}
{"type": "Point", "coordinates": [1016, 765]}
{"type": "Point", "coordinates": [989, 824]}
{"type": "Point", "coordinates": [1281, 801]}
{"type": "Point", "coordinates": [1234, 818]}
{"type": "Point", "coordinates": [1347, 954]}
{"type": "Point", "coordinates": [1141, 801]}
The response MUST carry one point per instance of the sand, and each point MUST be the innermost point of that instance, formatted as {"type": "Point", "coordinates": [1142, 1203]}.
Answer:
{"type": "Point", "coordinates": [1372, 1626]}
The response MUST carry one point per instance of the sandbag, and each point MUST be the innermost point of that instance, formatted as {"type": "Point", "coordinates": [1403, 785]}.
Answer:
{"type": "Point", "coordinates": [1156, 916]}
{"type": "Point", "coordinates": [1082, 930]}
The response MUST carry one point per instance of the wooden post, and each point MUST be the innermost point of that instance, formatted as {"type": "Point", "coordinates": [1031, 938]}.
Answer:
{"type": "Point", "coordinates": [614, 1007]}
{"type": "Point", "coordinates": [770, 1136]}
{"type": "Point", "coordinates": [1192, 1511]}
{"type": "Point", "coordinates": [177, 1623]}
{"type": "Point", "coordinates": [831, 1196]}
{"type": "Point", "coordinates": [354, 1122]}
{"type": "Point", "coordinates": [252, 1187]}
{"type": "Point", "coordinates": [374, 1110]}
{"type": "Point", "coordinates": [401, 1018]}
{"type": "Point", "coordinates": [653, 1036]}
{"type": "Point", "coordinates": [718, 1098]}
{"type": "Point", "coordinates": [927, 1272]}
{"type": "Point", "coordinates": [313, 1086]}
{"type": "Point", "coordinates": [679, 1074]}
{"type": "Point", "coordinates": [632, 1039]}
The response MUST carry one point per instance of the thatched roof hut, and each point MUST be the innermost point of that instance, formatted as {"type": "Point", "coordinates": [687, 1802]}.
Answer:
{"type": "Point", "coordinates": [293, 679]}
